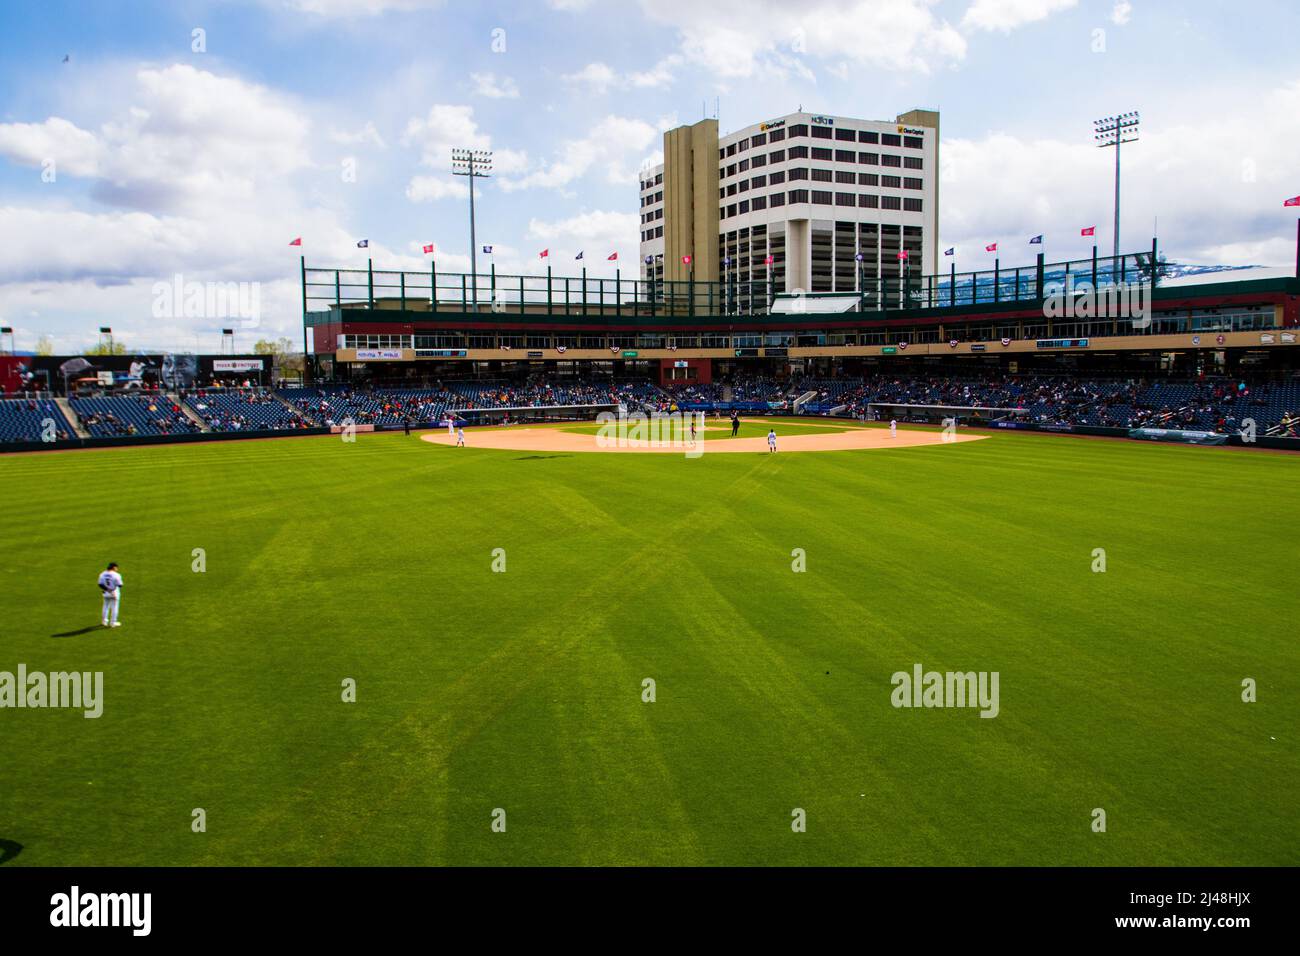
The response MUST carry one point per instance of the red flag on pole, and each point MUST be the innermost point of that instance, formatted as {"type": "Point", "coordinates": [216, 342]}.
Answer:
{"type": "Point", "coordinates": [1293, 201]}
{"type": "Point", "coordinates": [903, 254]}
{"type": "Point", "coordinates": [1090, 231]}
{"type": "Point", "coordinates": [770, 259]}
{"type": "Point", "coordinates": [544, 253]}
{"type": "Point", "coordinates": [612, 257]}
{"type": "Point", "coordinates": [297, 242]}
{"type": "Point", "coordinates": [992, 248]}
{"type": "Point", "coordinates": [428, 248]}
{"type": "Point", "coordinates": [686, 260]}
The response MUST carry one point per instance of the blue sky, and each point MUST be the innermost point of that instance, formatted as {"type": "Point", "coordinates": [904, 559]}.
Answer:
{"type": "Point", "coordinates": [332, 120]}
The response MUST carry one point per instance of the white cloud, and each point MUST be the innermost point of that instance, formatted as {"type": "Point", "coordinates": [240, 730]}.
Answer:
{"type": "Point", "coordinates": [1007, 15]}
{"type": "Point", "coordinates": [190, 139]}
{"type": "Point", "coordinates": [738, 39]}
{"type": "Point", "coordinates": [608, 147]}
{"type": "Point", "coordinates": [494, 87]}
{"type": "Point", "coordinates": [431, 188]}
{"type": "Point", "coordinates": [366, 135]}
{"type": "Point", "coordinates": [73, 151]}
{"type": "Point", "coordinates": [601, 78]}
{"type": "Point", "coordinates": [447, 127]}
{"type": "Point", "coordinates": [596, 234]}
{"type": "Point", "coordinates": [1121, 13]}
{"type": "Point", "coordinates": [1220, 203]}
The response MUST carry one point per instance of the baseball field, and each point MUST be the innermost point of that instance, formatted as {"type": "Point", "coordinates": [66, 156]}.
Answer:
{"type": "Point", "coordinates": [499, 612]}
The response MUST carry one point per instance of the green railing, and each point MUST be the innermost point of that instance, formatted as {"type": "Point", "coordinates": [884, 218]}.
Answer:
{"type": "Point", "coordinates": [581, 295]}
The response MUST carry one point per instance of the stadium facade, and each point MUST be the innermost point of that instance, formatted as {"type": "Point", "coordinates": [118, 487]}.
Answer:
{"type": "Point", "coordinates": [387, 325]}
{"type": "Point", "coordinates": [803, 201]}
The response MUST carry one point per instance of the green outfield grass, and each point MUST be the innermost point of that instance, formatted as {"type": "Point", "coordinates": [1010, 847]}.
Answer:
{"type": "Point", "coordinates": [522, 690]}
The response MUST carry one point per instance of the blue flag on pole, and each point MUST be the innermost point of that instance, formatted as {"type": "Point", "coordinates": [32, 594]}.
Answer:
{"type": "Point", "coordinates": [949, 252]}
{"type": "Point", "coordinates": [363, 244]}
{"type": "Point", "coordinates": [578, 256]}
{"type": "Point", "coordinates": [1036, 241]}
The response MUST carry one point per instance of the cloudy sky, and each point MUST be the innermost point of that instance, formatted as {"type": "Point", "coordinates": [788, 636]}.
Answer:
{"type": "Point", "coordinates": [144, 140]}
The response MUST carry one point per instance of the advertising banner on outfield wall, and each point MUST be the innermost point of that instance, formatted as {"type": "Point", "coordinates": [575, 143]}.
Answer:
{"type": "Point", "coordinates": [237, 365]}
{"type": "Point", "coordinates": [1178, 435]}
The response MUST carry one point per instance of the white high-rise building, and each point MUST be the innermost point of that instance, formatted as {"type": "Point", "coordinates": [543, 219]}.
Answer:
{"type": "Point", "coordinates": [814, 203]}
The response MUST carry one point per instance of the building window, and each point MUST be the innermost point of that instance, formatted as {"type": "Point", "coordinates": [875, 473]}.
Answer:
{"type": "Point", "coordinates": [890, 202]}
{"type": "Point", "coordinates": [744, 185]}
{"type": "Point", "coordinates": [798, 173]}
{"type": "Point", "coordinates": [759, 160]}
{"type": "Point", "coordinates": [798, 152]}
{"type": "Point", "coordinates": [759, 139]}
{"type": "Point", "coordinates": [821, 196]}
{"type": "Point", "coordinates": [846, 176]}
{"type": "Point", "coordinates": [777, 177]}
{"type": "Point", "coordinates": [776, 156]}
{"type": "Point", "coordinates": [798, 129]}
{"type": "Point", "coordinates": [744, 206]}
{"type": "Point", "coordinates": [846, 135]}
{"type": "Point", "coordinates": [759, 181]}
{"type": "Point", "coordinates": [743, 166]}
{"type": "Point", "coordinates": [760, 202]}
{"type": "Point", "coordinates": [845, 156]}
{"type": "Point", "coordinates": [731, 210]}
{"type": "Point", "coordinates": [846, 199]}
{"type": "Point", "coordinates": [891, 182]}
{"type": "Point", "coordinates": [798, 195]}
{"type": "Point", "coordinates": [731, 190]}
{"type": "Point", "coordinates": [890, 159]}
{"type": "Point", "coordinates": [731, 150]}
{"type": "Point", "coordinates": [822, 153]}
{"type": "Point", "coordinates": [866, 136]}
{"type": "Point", "coordinates": [911, 204]}
{"type": "Point", "coordinates": [778, 199]}
{"type": "Point", "coordinates": [869, 202]}
{"type": "Point", "coordinates": [659, 232]}
{"type": "Point", "coordinates": [869, 159]}
{"type": "Point", "coordinates": [776, 135]}
{"type": "Point", "coordinates": [913, 142]}
{"type": "Point", "coordinates": [912, 162]}
{"type": "Point", "coordinates": [822, 132]}
{"type": "Point", "coordinates": [743, 145]}
{"type": "Point", "coordinates": [821, 175]}
{"type": "Point", "coordinates": [891, 139]}
{"type": "Point", "coordinates": [910, 183]}
{"type": "Point", "coordinates": [868, 179]}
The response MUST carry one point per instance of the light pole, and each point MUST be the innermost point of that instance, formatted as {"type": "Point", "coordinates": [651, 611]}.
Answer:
{"type": "Point", "coordinates": [476, 164]}
{"type": "Point", "coordinates": [1115, 131]}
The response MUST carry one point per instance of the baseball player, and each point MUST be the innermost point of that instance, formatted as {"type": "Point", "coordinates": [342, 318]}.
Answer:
{"type": "Point", "coordinates": [110, 583]}
{"type": "Point", "coordinates": [771, 439]}
{"type": "Point", "coordinates": [460, 436]}
{"type": "Point", "coordinates": [893, 427]}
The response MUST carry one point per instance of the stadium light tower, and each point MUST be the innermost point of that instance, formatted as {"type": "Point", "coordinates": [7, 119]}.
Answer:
{"type": "Point", "coordinates": [476, 164]}
{"type": "Point", "coordinates": [1115, 131]}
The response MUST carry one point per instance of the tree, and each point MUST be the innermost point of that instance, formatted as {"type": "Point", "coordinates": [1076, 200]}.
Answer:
{"type": "Point", "coordinates": [107, 348]}
{"type": "Point", "coordinates": [44, 346]}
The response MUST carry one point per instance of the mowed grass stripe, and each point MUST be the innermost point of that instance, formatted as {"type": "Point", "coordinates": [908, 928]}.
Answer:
{"type": "Point", "coordinates": [372, 560]}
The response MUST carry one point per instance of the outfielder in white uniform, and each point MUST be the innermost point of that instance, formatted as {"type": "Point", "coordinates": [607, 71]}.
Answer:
{"type": "Point", "coordinates": [771, 439]}
{"type": "Point", "coordinates": [893, 427]}
{"type": "Point", "coordinates": [110, 583]}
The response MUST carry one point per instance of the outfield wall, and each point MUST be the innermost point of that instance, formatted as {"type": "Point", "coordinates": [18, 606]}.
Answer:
{"type": "Point", "coordinates": [116, 441]}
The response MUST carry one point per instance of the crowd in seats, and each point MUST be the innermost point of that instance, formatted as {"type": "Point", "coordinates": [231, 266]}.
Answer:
{"type": "Point", "coordinates": [244, 410]}
{"type": "Point", "coordinates": [24, 419]}
{"type": "Point", "coordinates": [113, 416]}
{"type": "Point", "coordinates": [339, 405]}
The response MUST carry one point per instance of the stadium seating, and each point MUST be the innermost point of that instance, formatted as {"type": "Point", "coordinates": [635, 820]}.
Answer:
{"type": "Point", "coordinates": [244, 410]}
{"type": "Point", "coordinates": [23, 419]}
{"type": "Point", "coordinates": [151, 413]}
